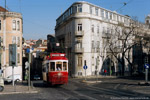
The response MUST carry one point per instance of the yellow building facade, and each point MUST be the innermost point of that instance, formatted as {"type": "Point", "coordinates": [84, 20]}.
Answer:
{"type": "Point", "coordinates": [11, 33]}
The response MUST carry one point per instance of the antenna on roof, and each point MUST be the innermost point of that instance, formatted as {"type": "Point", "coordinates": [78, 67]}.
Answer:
{"type": "Point", "coordinates": [5, 5]}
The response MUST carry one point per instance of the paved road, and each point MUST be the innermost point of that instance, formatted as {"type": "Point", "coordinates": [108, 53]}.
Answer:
{"type": "Point", "coordinates": [108, 89]}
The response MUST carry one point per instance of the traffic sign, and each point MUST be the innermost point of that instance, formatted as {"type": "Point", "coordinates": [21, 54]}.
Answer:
{"type": "Point", "coordinates": [146, 66]}
{"type": "Point", "coordinates": [85, 67]}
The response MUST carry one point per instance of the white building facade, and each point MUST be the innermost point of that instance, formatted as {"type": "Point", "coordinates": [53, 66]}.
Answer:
{"type": "Point", "coordinates": [82, 30]}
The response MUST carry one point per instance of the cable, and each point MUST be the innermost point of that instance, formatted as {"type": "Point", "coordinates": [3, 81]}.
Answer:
{"type": "Point", "coordinates": [124, 4]}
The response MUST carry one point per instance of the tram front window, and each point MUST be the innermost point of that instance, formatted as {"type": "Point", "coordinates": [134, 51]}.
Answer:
{"type": "Point", "coordinates": [52, 66]}
{"type": "Point", "coordinates": [59, 66]}
{"type": "Point", "coordinates": [64, 66]}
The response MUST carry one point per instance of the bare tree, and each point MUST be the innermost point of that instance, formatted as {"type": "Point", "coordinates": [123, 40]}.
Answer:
{"type": "Point", "coordinates": [122, 41]}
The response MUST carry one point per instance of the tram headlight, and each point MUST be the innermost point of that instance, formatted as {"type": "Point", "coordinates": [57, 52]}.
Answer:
{"type": "Point", "coordinates": [59, 74]}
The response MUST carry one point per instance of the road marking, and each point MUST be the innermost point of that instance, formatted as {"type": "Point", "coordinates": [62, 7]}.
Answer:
{"type": "Point", "coordinates": [116, 86]}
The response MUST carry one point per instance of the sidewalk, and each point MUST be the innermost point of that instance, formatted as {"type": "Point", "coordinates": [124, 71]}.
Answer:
{"type": "Point", "coordinates": [18, 89]}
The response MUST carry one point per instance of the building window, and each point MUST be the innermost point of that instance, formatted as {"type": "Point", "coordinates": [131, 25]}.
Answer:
{"type": "Point", "coordinates": [14, 24]}
{"type": "Point", "coordinates": [80, 8]}
{"type": "Point", "coordinates": [98, 43]}
{"type": "Point", "coordinates": [18, 57]}
{"type": "Point", "coordinates": [79, 27]}
{"type": "Point", "coordinates": [0, 25]}
{"type": "Point", "coordinates": [96, 11]}
{"type": "Point", "coordinates": [18, 25]}
{"type": "Point", "coordinates": [74, 9]}
{"type": "Point", "coordinates": [104, 31]}
{"type": "Point", "coordinates": [106, 15]}
{"type": "Point", "coordinates": [102, 13]}
{"type": "Point", "coordinates": [120, 19]}
{"type": "Point", "coordinates": [92, 44]}
{"type": "Point", "coordinates": [108, 30]}
{"type": "Point", "coordinates": [13, 40]}
{"type": "Point", "coordinates": [18, 42]}
{"type": "Point", "coordinates": [71, 10]}
{"type": "Point", "coordinates": [79, 61]}
{"type": "Point", "coordinates": [111, 16]}
{"type": "Point", "coordinates": [91, 9]}
{"type": "Point", "coordinates": [92, 28]}
{"type": "Point", "coordinates": [114, 17]}
{"type": "Point", "coordinates": [98, 30]}
{"type": "Point", "coordinates": [92, 61]}
{"type": "Point", "coordinates": [79, 45]}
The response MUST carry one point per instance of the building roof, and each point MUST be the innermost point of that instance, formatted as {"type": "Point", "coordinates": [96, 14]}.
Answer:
{"type": "Point", "coordinates": [3, 9]}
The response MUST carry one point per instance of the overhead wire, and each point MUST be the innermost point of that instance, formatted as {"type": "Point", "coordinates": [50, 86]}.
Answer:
{"type": "Point", "coordinates": [124, 4]}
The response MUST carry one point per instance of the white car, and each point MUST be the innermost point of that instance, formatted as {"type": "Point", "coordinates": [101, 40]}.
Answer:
{"type": "Point", "coordinates": [17, 77]}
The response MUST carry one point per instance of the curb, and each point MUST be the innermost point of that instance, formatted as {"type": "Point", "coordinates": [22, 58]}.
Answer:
{"type": "Point", "coordinates": [22, 92]}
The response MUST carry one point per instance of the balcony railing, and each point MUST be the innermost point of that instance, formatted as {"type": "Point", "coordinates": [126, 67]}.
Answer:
{"type": "Point", "coordinates": [79, 33]}
{"type": "Point", "coordinates": [79, 50]}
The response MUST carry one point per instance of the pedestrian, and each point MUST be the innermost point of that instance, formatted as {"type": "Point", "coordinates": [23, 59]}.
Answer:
{"type": "Point", "coordinates": [105, 72]}
{"type": "Point", "coordinates": [1, 71]}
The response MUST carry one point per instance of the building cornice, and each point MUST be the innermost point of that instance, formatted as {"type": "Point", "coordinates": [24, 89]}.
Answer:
{"type": "Point", "coordinates": [10, 14]}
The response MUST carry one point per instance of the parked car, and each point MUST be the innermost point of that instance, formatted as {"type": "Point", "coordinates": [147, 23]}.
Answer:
{"type": "Point", "coordinates": [17, 77]}
{"type": "Point", "coordinates": [36, 77]}
{"type": "Point", "coordinates": [1, 84]}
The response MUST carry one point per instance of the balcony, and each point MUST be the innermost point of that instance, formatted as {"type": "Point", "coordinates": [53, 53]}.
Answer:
{"type": "Point", "coordinates": [79, 33]}
{"type": "Point", "coordinates": [79, 50]}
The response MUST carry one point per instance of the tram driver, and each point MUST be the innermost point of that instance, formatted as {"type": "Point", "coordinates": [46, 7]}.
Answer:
{"type": "Point", "coordinates": [58, 67]}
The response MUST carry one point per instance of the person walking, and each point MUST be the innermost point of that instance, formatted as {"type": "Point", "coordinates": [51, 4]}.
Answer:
{"type": "Point", "coordinates": [105, 72]}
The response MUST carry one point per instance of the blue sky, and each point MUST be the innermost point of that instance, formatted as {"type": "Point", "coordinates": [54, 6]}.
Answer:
{"type": "Point", "coordinates": [39, 16]}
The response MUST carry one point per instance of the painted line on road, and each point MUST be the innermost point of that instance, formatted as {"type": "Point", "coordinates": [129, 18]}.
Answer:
{"type": "Point", "coordinates": [116, 86]}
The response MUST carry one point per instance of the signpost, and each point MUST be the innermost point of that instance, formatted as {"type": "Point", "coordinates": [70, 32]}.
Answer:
{"type": "Point", "coordinates": [13, 58]}
{"type": "Point", "coordinates": [146, 66]}
{"type": "Point", "coordinates": [85, 67]}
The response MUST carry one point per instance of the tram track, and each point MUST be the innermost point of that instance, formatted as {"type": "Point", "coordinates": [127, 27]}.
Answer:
{"type": "Point", "coordinates": [111, 92]}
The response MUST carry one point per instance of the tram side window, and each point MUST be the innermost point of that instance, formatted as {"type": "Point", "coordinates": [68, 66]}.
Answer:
{"type": "Point", "coordinates": [52, 66]}
{"type": "Point", "coordinates": [59, 65]}
{"type": "Point", "coordinates": [64, 66]}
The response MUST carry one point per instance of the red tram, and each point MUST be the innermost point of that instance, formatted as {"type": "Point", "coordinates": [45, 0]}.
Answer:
{"type": "Point", "coordinates": [55, 69]}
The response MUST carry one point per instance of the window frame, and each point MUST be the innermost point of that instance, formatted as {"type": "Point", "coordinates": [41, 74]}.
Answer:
{"type": "Point", "coordinates": [18, 25]}
{"type": "Point", "coordinates": [0, 25]}
{"type": "Point", "coordinates": [79, 8]}
{"type": "Point", "coordinates": [14, 25]}
{"type": "Point", "coordinates": [79, 27]}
